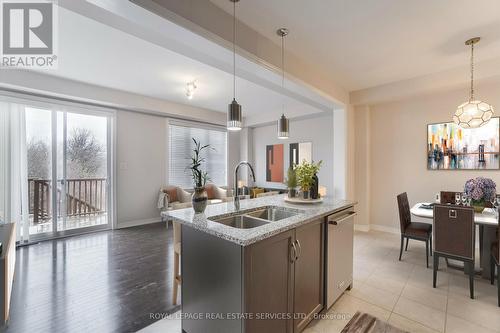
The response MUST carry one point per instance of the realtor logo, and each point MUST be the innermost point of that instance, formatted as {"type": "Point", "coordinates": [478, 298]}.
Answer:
{"type": "Point", "coordinates": [29, 34]}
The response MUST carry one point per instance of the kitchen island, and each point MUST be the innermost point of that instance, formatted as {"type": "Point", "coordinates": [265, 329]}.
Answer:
{"type": "Point", "coordinates": [261, 268]}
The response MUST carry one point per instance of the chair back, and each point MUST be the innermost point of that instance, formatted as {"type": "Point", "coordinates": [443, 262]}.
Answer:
{"type": "Point", "coordinates": [454, 231]}
{"type": "Point", "coordinates": [404, 211]}
{"type": "Point", "coordinates": [447, 197]}
{"type": "Point", "coordinates": [498, 237]}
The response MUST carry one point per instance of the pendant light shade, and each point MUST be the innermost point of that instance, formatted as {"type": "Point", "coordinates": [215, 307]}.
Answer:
{"type": "Point", "coordinates": [234, 117]}
{"type": "Point", "coordinates": [473, 113]}
{"type": "Point", "coordinates": [283, 127]}
{"type": "Point", "coordinates": [283, 122]}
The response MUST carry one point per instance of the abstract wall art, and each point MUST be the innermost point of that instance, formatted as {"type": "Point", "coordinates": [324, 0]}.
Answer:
{"type": "Point", "coordinates": [274, 163]}
{"type": "Point", "coordinates": [299, 152]}
{"type": "Point", "coordinates": [450, 147]}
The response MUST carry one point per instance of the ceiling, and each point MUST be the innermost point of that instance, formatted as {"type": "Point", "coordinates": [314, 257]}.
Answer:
{"type": "Point", "coordinates": [108, 57]}
{"type": "Point", "coordinates": [363, 44]}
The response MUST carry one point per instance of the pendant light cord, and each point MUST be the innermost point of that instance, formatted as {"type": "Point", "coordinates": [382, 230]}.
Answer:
{"type": "Point", "coordinates": [283, 70]}
{"type": "Point", "coordinates": [472, 72]}
{"type": "Point", "coordinates": [234, 49]}
{"type": "Point", "coordinates": [283, 61]}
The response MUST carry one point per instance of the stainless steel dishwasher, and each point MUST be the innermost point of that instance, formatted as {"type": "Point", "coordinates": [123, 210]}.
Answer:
{"type": "Point", "coordinates": [339, 256]}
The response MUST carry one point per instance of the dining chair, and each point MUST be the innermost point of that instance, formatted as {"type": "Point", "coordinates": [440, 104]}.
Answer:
{"type": "Point", "coordinates": [454, 236]}
{"type": "Point", "coordinates": [447, 197]}
{"type": "Point", "coordinates": [413, 230]}
{"type": "Point", "coordinates": [495, 260]}
{"type": "Point", "coordinates": [177, 256]}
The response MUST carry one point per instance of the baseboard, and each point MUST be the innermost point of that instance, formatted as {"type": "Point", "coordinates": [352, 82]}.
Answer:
{"type": "Point", "coordinates": [362, 227]}
{"type": "Point", "coordinates": [134, 223]}
{"type": "Point", "coordinates": [384, 228]}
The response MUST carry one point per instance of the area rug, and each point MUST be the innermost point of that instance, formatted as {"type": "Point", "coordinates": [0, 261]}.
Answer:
{"type": "Point", "coordinates": [365, 323]}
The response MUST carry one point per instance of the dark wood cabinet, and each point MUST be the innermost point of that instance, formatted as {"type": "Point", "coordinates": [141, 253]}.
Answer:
{"type": "Point", "coordinates": [284, 280]}
{"type": "Point", "coordinates": [309, 273]}
{"type": "Point", "coordinates": [269, 274]}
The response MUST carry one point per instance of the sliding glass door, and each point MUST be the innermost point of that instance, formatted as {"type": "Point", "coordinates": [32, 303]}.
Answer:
{"type": "Point", "coordinates": [69, 170]}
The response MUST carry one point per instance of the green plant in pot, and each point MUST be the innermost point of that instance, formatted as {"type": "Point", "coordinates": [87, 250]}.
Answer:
{"type": "Point", "coordinates": [291, 182]}
{"type": "Point", "coordinates": [305, 176]}
{"type": "Point", "coordinates": [200, 177]}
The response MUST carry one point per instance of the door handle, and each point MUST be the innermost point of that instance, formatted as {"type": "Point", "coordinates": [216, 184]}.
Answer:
{"type": "Point", "coordinates": [299, 252]}
{"type": "Point", "coordinates": [333, 221]}
{"type": "Point", "coordinates": [294, 250]}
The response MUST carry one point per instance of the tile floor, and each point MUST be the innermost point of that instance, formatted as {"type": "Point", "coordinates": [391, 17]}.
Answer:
{"type": "Point", "coordinates": [401, 293]}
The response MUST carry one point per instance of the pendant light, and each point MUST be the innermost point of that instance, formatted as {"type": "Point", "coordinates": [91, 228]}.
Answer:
{"type": "Point", "coordinates": [234, 109]}
{"type": "Point", "coordinates": [283, 122]}
{"type": "Point", "coordinates": [473, 113]}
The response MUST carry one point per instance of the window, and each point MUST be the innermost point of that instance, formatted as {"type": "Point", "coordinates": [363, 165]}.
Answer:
{"type": "Point", "coordinates": [181, 145]}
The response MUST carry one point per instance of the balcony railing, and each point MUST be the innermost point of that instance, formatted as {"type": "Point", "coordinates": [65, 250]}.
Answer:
{"type": "Point", "coordinates": [83, 197]}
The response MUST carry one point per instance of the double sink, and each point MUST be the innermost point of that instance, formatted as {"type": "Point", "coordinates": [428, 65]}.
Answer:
{"type": "Point", "coordinates": [255, 218]}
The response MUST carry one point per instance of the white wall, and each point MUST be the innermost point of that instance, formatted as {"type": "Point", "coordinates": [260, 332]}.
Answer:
{"type": "Point", "coordinates": [396, 157]}
{"type": "Point", "coordinates": [141, 164]}
{"type": "Point", "coordinates": [317, 130]}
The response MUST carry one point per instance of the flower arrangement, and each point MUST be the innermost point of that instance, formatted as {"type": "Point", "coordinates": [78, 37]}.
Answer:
{"type": "Point", "coordinates": [480, 190]}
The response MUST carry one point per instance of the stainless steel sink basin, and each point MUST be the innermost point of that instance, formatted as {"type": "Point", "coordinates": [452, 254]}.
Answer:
{"type": "Point", "coordinates": [272, 214]}
{"type": "Point", "coordinates": [240, 221]}
{"type": "Point", "coordinates": [255, 217]}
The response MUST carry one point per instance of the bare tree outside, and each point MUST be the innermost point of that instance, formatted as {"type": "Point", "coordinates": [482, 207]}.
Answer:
{"type": "Point", "coordinates": [84, 155]}
{"type": "Point", "coordinates": [38, 159]}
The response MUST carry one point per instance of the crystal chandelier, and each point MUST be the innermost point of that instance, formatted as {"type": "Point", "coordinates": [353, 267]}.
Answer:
{"type": "Point", "coordinates": [473, 113]}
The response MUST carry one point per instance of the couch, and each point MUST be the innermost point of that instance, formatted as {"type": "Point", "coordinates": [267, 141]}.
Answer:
{"type": "Point", "coordinates": [178, 198]}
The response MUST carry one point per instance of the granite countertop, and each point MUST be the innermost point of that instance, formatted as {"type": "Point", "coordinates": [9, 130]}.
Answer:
{"type": "Point", "coordinates": [243, 237]}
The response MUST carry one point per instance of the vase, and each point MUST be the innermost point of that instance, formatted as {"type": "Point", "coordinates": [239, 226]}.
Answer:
{"type": "Point", "coordinates": [199, 199]}
{"type": "Point", "coordinates": [478, 205]}
{"type": "Point", "coordinates": [292, 192]}
{"type": "Point", "coordinates": [305, 194]}
{"type": "Point", "coordinates": [315, 187]}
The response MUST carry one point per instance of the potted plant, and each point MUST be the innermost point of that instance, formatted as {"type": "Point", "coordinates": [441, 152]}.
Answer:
{"type": "Point", "coordinates": [291, 182]}
{"type": "Point", "coordinates": [305, 176]}
{"type": "Point", "coordinates": [480, 190]}
{"type": "Point", "coordinates": [200, 177]}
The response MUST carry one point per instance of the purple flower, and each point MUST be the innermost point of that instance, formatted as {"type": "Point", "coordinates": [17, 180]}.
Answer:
{"type": "Point", "coordinates": [480, 188]}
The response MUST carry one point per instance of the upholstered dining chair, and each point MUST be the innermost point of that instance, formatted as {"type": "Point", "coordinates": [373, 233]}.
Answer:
{"type": "Point", "coordinates": [454, 238]}
{"type": "Point", "coordinates": [177, 256]}
{"type": "Point", "coordinates": [413, 230]}
{"type": "Point", "coordinates": [495, 260]}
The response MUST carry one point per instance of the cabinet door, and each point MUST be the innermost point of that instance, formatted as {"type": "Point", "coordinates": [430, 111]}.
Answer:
{"type": "Point", "coordinates": [268, 281]}
{"type": "Point", "coordinates": [309, 273]}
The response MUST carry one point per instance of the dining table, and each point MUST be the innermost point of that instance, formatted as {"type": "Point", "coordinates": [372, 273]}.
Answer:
{"type": "Point", "coordinates": [488, 226]}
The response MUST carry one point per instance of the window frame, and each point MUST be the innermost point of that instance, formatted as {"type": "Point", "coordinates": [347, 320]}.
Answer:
{"type": "Point", "coordinates": [194, 125]}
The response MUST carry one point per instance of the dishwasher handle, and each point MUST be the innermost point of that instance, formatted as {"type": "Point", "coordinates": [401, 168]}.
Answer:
{"type": "Point", "coordinates": [333, 220]}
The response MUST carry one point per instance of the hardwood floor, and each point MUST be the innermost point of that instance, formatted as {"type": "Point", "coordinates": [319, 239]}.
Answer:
{"type": "Point", "coordinates": [109, 281]}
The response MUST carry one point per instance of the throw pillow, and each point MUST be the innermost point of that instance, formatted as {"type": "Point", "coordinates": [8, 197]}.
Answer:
{"type": "Point", "coordinates": [172, 194]}
{"type": "Point", "coordinates": [210, 192]}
